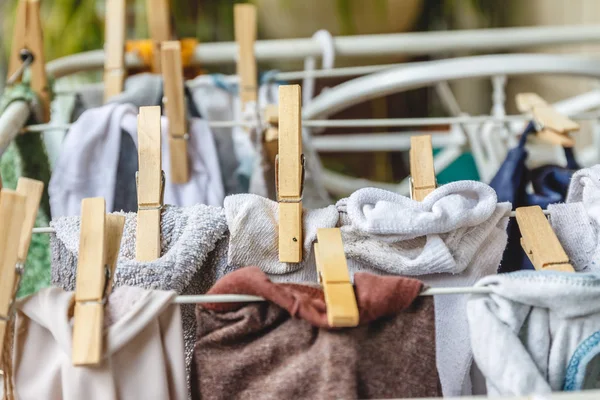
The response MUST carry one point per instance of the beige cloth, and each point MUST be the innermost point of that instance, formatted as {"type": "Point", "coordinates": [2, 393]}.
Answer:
{"type": "Point", "coordinates": [144, 357]}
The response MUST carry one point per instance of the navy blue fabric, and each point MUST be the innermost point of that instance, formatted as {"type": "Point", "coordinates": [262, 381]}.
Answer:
{"type": "Point", "coordinates": [550, 184]}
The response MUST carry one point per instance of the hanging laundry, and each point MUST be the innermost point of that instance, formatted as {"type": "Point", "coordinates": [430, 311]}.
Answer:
{"type": "Point", "coordinates": [284, 349]}
{"type": "Point", "coordinates": [549, 185]}
{"type": "Point", "coordinates": [453, 238]}
{"type": "Point", "coordinates": [26, 157]}
{"type": "Point", "coordinates": [89, 163]}
{"type": "Point", "coordinates": [193, 256]}
{"type": "Point", "coordinates": [218, 100]}
{"type": "Point", "coordinates": [537, 332]}
{"type": "Point", "coordinates": [577, 223]}
{"type": "Point", "coordinates": [143, 358]}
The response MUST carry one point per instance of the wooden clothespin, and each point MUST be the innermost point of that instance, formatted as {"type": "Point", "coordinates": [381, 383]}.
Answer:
{"type": "Point", "coordinates": [114, 225]}
{"type": "Point", "coordinates": [12, 214]}
{"type": "Point", "coordinates": [342, 310]}
{"type": "Point", "coordinates": [244, 16]}
{"type": "Point", "coordinates": [551, 126]}
{"type": "Point", "coordinates": [289, 174]}
{"type": "Point", "coordinates": [271, 136]}
{"type": "Point", "coordinates": [28, 36]}
{"type": "Point", "coordinates": [32, 190]}
{"type": "Point", "coordinates": [114, 48]}
{"type": "Point", "coordinates": [172, 73]}
{"type": "Point", "coordinates": [539, 241]}
{"type": "Point", "coordinates": [422, 172]}
{"type": "Point", "coordinates": [151, 183]}
{"type": "Point", "coordinates": [159, 24]}
{"type": "Point", "coordinates": [99, 243]}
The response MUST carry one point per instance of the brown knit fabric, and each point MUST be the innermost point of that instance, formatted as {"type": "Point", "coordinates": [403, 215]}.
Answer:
{"type": "Point", "coordinates": [283, 349]}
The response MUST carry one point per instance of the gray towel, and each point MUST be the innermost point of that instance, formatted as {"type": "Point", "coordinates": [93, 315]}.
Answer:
{"type": "Point", "coordinates": [194, 254]}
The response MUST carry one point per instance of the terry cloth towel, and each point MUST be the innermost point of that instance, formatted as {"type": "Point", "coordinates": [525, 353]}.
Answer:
{"type": "Point", "coordinates": [577, 223]}
{"type": "Point", "coordinates": [143, 356]}
{"type": "Point", "coordinates": [26, 156]}
{"type": "Point", "coordinates": [253, 236]}
{"type": "Point", "coordinates": [283, 348]}
{"type": "Point", "coordinates": [537, 332]}
{"type": "Point", "coordinates": [192, 256]}
{"type": "Point", "coordinates": [453, 238]}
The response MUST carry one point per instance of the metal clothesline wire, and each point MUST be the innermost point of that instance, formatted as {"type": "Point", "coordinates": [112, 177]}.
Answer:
{"type": "Point", "coordinates": [49, 229]}
{"type": "Point", "coordinates": [241, 298]}
{"type": "Point", "coordinates": [277, 76]}
{"type": "Point", "coordinates": [360, 123]}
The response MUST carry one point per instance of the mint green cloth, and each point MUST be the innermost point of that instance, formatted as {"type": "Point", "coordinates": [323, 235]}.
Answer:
{"type": "Point", "coordinates": [26, 157]}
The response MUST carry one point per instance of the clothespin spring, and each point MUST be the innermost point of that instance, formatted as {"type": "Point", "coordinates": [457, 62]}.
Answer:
{"type": "Point", "coordinates": [19, 269]}
{"type": "Point", "coordinates": [160, 206]}
{"type": "Point", "coordinates": [27, 58]}
{"type": "Point", "coordinates": [107, 280]}
{"type": "Point", "coordinates": [411, 187]}
{"type": "Point", "coordinates": [289, 199]}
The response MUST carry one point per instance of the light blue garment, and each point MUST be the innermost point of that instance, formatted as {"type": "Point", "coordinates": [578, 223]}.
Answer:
{"type": "Point", "coordinates": [537, 332]}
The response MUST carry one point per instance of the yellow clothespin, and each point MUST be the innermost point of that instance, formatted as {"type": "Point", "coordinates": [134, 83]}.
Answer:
{"type": "Point", "coordinates": [12, 214]}
{"type": "Point", "coordinates": [151, 183]}
{"type": "Point", "coordinates": [159, 24]}
{"type": "Point", "coordinates": [244, 16]}
{"type": "Point", "coordinates": [114, 48]}
{"type": "Point", "coordinates": [271, 136]}
{"type": "Point", "coordinates": [99, 242]}
{"type": "Point", "coordinates": [28, 49]}
{"type": "Point", "coordinates": [289, 174]}
{"type": "Point", "coordinates": [422, 173]}
{"type": "Point", "coordinates": [551, 126]}
{"type": "Point", "coordinates": [539, 241]}
{"type": "Point", "coordinates": [172, 73]}
{"type": "Point", "coordinates": [342, 310]}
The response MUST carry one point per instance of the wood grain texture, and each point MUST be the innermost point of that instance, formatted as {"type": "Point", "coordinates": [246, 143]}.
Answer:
{"type": "Point", "coordinates": [28, 35]}
{"type": "Point", "coordinates": [149, 184]}
{"type": "Point", "coordinates": [90, 283]}
{"type": "Point", "coordinates": [244, 16]}
{"type": "Point", "coordinates": [422, 171]}
{"type": "Point", "coordinates": [175, 110]}
{"type": "Point", "coordinates": [12, 214]}
{"type": "Point", "coordinates": [539, 241]}
{"type": "Point", "coordinates": [289, 176]}
{"type": "Point", "coordinates": [114, 225]}
{"type": "Point", "coordinates": [87, 333]}
{"type": "Point", "coordinates": [32, 190]}
{"type": "Point", "coordinates": [342, 310]}
{"type": "Point", "coordinates": [114, 48]}
{"type": "Point", "coordinates": [159, 25]}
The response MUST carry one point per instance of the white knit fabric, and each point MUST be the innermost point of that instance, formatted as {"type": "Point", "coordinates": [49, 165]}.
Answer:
{"type": "Point", "coordinates": [536, 331]}
{"type": "Point", "coordinates": [454, 237]}
{"type": "Point", "coordinates": [386, 233]}
{"type": "Point", "coordinates": [577, 223]}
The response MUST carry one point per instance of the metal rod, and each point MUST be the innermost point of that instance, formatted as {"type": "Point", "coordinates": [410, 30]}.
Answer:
{"type": "Point", "coordinates": [240, 298]}
{"type": "Point", "coordinates": [48, 229]}
{"type": "Point", "coordinates": [363, 46]}
{"type": "Point", "coordinates": [359, 123]}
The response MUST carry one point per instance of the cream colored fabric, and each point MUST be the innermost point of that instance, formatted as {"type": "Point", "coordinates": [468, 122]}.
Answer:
{"type": "Point", "coordinates": [144, 357]}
